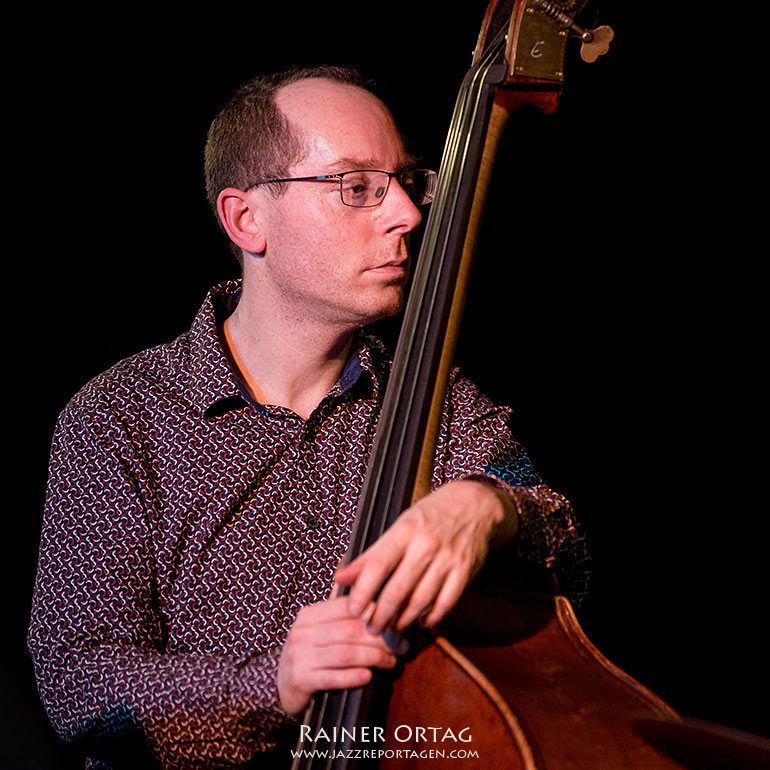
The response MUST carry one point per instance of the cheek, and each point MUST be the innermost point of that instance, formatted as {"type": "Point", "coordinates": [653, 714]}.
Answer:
{"type": "Point", "coordinates": [311, 225]}
{"type": "Point", "coordinates": [306, 261]}
{"type": "Point", "coordinates": [318, 242]}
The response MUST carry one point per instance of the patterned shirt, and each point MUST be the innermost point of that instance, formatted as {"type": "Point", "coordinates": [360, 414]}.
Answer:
{"type": "Point", "coordinates": [186, 525]}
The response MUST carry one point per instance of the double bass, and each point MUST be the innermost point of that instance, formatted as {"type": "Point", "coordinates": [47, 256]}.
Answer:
{"type": "Point", "coordinates": [511, 678]}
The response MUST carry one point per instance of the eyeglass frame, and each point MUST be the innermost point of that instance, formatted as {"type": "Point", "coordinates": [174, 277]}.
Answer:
{"type": "Point", "coordinates": [323, 177]}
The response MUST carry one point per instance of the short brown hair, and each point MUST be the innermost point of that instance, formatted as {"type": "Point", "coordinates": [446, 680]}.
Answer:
{"type": "Point", "coordinates": [250, 139]}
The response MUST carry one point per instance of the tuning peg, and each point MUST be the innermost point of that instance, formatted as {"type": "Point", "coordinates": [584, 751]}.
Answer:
{"type": "Point", "coordinates": [595, 42]}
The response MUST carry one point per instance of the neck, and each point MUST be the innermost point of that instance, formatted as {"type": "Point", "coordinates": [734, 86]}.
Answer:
{"type": "Point", "coordinates": [289, 364]}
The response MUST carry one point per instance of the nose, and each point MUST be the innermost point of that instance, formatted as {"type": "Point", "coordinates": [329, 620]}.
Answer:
{"type": "Point", "coordinates": [398, 210]}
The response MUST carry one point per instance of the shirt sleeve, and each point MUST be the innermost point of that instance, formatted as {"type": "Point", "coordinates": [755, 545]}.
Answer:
{"type": "Point", "coordinates": [96, 634]}
{"type": "Point", "coordinates": [475, 441]}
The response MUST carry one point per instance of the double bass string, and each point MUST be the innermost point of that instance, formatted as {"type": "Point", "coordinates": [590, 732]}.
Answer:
{"type": "Point", "coordinates": [388, 485]}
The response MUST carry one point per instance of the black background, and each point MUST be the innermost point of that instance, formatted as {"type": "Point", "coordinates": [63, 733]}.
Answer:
{"type": "Point", "coordinates": [614, 305]}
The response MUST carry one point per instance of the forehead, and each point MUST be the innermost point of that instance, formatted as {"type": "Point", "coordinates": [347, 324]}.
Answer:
{"type": "Point", "coordinates": [342, 125]}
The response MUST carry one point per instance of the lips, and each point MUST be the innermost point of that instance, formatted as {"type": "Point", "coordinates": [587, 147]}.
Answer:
{"type": "Point", "coordinates": [395, 271]}
{"type": "Point", "coordinates": [396, 263]}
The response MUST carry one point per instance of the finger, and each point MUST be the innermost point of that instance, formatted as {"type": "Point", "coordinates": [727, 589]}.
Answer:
{"type": "Point", "coordinates": [368, 574]}
{"type": "Point", "coordinates": [329, 611]}
{"type": "Point", "coordinates": [343, 643]}
{"type": "Point", "coordinates": [360, 655]}
{"type": "Point", "coordinates": [366, 652]}
{"type": "Point", "coordinates": [422, 599]}
{"type": "Point", "coordinates": [430, 592]}
{"type": "Point", "coordinates": [450, 593]}
{"type": "Point", "coordinates": [339, 665]}
{"type": "Point", "coordinates": [406, 540]}
{"type": "Point", "coordinates": [416, 582]}
{"type": "Point", "coordinates": [346, 575]}
{"type": "Point", "coordinates": [346, 676]}
{"type": "Point", "coordinates": [322, 640]}
{"type": "Point", "coordinates": [340, 679]}
{"type": "Point", "coordinates": [399, 592]}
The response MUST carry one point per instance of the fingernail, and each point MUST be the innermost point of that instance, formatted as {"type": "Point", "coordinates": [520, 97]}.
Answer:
{"type": "Point", "coordinates": [396, 642]}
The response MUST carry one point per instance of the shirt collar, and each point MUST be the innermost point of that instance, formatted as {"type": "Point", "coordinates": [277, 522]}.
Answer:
{"type": "Point", "coordinates": [215, 388]}
{"type": "Point", "coordinates": [212, 378]}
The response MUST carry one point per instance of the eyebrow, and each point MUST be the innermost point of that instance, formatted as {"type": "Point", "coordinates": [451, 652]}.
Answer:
{"type": "Point", "coordinates": [355, 164]}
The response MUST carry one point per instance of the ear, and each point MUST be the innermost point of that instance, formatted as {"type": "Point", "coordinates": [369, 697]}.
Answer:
{"type": "Point", "coordinates": [240, 213]}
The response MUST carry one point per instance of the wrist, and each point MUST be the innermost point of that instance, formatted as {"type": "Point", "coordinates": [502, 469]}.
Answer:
{"type": "Point", "coordinates": [504, 510]}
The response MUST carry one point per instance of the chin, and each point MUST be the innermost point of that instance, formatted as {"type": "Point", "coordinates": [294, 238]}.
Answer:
{"type": "Point", "coordinates": [373, 315]}
{"type": "Point", "coordinates": [372, 306]}
{"type": "Point", "coordinates": [393, 306]}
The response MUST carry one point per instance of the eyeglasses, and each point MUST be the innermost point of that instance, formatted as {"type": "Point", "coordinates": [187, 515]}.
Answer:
{"type": "Point", "coordinates": [367, 188]}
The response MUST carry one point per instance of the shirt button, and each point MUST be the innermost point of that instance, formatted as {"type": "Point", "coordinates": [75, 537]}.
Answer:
{"type": "Point", "coordinates": [312, 522]}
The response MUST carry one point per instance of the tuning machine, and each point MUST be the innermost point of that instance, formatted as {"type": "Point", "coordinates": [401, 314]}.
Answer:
{"type": "Point", "coordinates": [595, 42]}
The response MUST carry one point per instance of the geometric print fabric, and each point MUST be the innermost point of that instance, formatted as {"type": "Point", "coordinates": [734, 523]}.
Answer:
{"type": "Point", "coordinates": [186, 525]}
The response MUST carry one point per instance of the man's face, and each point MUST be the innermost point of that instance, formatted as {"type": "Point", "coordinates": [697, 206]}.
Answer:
{"type": "Point", "coordinates": [326, 262]}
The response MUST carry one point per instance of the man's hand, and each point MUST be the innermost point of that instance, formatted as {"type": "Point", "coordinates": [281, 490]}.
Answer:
{"type": "Point", "coordinates": [328, 648]}
{"type": "Point", "coordinates": [417, 570]}
{"type": "Point", "coordinates": [423, 563]}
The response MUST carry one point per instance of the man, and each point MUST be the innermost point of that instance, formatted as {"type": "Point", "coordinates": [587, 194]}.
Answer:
{"type": "Point", "coordinates": [201, 494]}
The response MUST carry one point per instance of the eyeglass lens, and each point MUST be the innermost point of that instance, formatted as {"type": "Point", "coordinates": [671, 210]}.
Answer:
{"type": "Point", "coordinates": [367, 188]}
